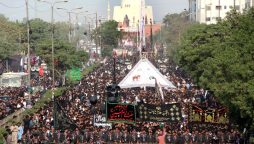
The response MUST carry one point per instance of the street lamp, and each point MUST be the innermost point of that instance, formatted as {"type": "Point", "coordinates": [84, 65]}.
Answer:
{"type": "Point", "coordinates": [151, 34]}
{"type": "Point", "coordinates": [69, 11]}
{"type": "Point", "coordinates": [96, 33]}
{"type": "Point", "coordinates": [52, 4]}
{"type": "Point", "coordinates": [28, 54]}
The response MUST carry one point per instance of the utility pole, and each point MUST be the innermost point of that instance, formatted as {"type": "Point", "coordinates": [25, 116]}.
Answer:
{"type": "Point", "coordinates": [35, 9]}
{"type": "Point", "coordinates": [76, 25]}
{"type": "Point", "coordinates": [138, 34]}
{"type": "Point", "coordinates": [151, 35]}
{"type": "Point", "coordinates": [28, 52]}
{"type": "Point", "coordinates": [220, 8]}
{"type": "Point", "coordinates": [96, 35]}
{"type": "Point", "coordinates": [69, 13]}
{"type": "Point", "coordinates": [108, 10]}
{"type": "Point", "coordinates": [52, 49]}
{"type": "Point", "coordinates": [89, 30]}
{"type": "Point", "coordinates": [53, 66]}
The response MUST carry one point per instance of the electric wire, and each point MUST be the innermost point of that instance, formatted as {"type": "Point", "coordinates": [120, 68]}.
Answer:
{"type": "Point", "coordinates": [12, 7]}
{"type": "Point", "coordinates": [42, 11]}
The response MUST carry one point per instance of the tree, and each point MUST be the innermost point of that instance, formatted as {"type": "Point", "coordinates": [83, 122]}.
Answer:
{"type": "Point", "coordinates": [220, 58]}
{"type": "Point", "coordinates": [174, 26]}
{"type": "Point", "coordinates": [65, 54]}
{"type": "Point", "coordinates": [109, 33]}
{"type": "Point", "coordinates": [11, 37]}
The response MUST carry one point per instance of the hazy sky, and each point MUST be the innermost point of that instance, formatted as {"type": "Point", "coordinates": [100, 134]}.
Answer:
{"type": "Point", "coordinates": [15, 9]}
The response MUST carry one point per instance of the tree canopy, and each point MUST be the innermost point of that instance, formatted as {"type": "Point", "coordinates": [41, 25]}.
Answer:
{"type": "Point", "coordinates": [220, 57]}
{"type": "Point", "coordinates": [174, 26]}
{"type": "Point", "coordinates": [65, 53]}
{"type": "Point", "coordinates": [109, 33]}
{"type": "Point", "coordinates": [13, 40]}
{"type": "Point", "coordinates": [109, 36]}
{"type": "Point", "coordinates": [11, 36]}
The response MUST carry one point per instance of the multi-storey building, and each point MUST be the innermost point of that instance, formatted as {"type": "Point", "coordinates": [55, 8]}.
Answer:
{"type": "Point", "coordinates": [209, 11]}
{"type": "Point", "coordinates": [192, 10]}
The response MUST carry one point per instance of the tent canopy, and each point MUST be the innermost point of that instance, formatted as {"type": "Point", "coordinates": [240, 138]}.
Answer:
{"type": "Point", "coordinates": [144, 74]}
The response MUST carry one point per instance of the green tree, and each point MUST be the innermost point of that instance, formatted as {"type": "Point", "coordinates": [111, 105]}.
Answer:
{"type": "Point", "coordinates": [220, 58]}
{"type": "Point", "coordinates": [62, 30]}
{"type": "Point", "coordinates": [109, 33]}
{"type": "Point", "coordinates": [11, 38]}
{"type": "Point", "coordinates": [65, 54]}
{"type": "Point", "coordinates": [174, 26]}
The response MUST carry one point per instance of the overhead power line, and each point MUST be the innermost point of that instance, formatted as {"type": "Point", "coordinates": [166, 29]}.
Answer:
{"type": "Point", "coordinates": [13, 7]}
{"type": "Point", "coordinates": [42, 11]}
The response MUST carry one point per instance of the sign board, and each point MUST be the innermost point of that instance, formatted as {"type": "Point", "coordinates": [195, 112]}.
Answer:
{"type": "Point", "coordinates": [207, 115]}
{"type": "Point", "coordinates": [121, 113]}
{"type": "Point", "coordinates": [100, 120]}
{"type": "Point", "coordinates": [160, 113]}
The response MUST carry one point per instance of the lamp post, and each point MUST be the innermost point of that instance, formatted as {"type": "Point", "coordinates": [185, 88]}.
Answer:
{"type": "Point", "coordinates": [151, 35]}
{"type": "Point", "coordinates": [77, 14]}
{"type": "Point", "coordinates": [114, 68]}
{"type": "Point", "coordinates": [28, 54]}
{"type": "Point", "coordinates": [52, 4]}
{"type": "Point", "coordinates": [96, 32]}
{"type": "Point", "coordinates": [69, 11]}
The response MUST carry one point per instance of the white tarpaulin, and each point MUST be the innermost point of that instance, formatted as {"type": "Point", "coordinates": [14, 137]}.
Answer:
{"type": "Point", "coordinates": [144, 74]}
{"type": "Point", "coordinates": [14, 79]}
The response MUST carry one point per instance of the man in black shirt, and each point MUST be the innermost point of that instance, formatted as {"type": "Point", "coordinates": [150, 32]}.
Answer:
{"type": "Point", "coordinates": [134, 137]}
{"type": "Point", "coordinates": [125, 137]}
{"type": "Point", "coordinates": [151, 137]}
{"type": "Point", "coordinates": [110, 137]}
{"type": "Point", "coordinates": [169, 137]}
{"type": "Point", "coordinates": [86, 136]}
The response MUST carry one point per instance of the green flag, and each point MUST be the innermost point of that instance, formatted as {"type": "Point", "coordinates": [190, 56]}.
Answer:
{"type": "Point", "coordinates": [74, 74]}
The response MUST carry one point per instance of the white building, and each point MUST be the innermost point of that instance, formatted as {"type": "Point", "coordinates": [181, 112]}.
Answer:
{"type": "Point", "coordinates": [209, 11]}
{"type": "Point", "coordinates": [132, 11]}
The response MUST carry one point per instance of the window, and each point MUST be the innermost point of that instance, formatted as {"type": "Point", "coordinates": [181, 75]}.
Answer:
{"type": "Point", "coordinates": [208, 8]}
{"type": "Point", "coordinates": [247, 5]}
{"type": "Point", "coordinates": [218, 18]}
{"type": "Point", "coordinates": [208, 19]}
{"type": "Point", "coordinates": [237, 7]}
{"type": "Point", "coordinates": [218, 7]}
{"type": "Point", "coordinates": [127, 5]}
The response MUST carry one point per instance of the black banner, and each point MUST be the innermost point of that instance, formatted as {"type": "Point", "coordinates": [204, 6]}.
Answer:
{"type": "Point", "coordinates": [121, 113]}
{"type": "Point", "coordinates": [160, 113]}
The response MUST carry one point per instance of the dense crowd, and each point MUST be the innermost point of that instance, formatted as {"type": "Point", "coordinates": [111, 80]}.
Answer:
{"type": "Point", "coordinates": [16, 98]}
{"type": "Point", "coordinates": [77, 106]}
{"type": "Point", "coordinates": [11, 99]}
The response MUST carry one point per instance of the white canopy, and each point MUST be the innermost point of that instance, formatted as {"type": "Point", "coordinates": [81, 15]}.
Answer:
{"type": "Point", "coordinates": [144, 74]}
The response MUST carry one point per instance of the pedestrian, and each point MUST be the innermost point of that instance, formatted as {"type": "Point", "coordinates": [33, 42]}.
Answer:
{"type": "Point", "coordinates": [14, 133]}
{"type": "Point", "coordinates": [161, 137]}
{"type": "Point", "coordinates": [20, 132]}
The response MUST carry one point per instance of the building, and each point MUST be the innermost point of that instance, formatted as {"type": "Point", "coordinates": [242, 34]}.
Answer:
{"type": "Point", "coordinates": [209, 11]}
{"type": "Point", "coordinates": [131, 14]}
{"type": "Point", "coordinates": [192, 10]}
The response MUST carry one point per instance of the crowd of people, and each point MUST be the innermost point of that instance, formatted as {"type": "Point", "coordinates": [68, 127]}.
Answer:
{"type": "Point", "coordinates": [13, 99]}
{"type": "Point", "coordinates": [78, 107]}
